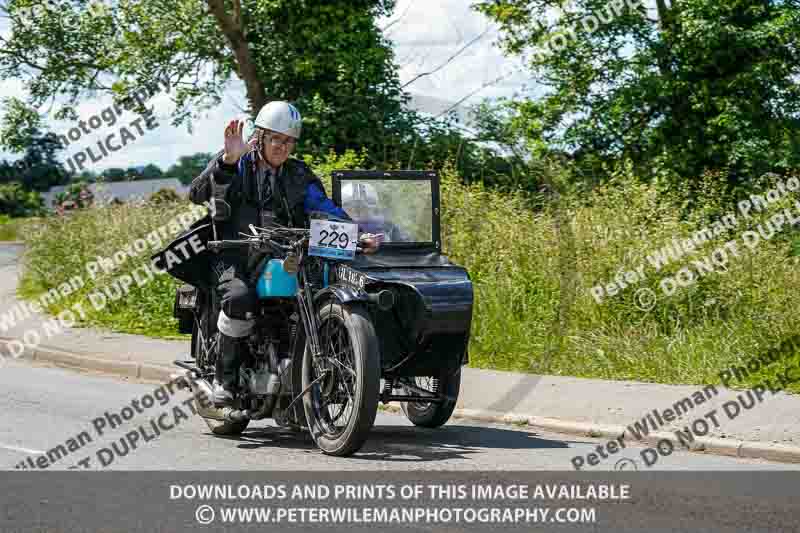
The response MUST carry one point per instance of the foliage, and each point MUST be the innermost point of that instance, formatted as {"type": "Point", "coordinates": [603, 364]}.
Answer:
{"type": "Point", "coordinates": [9, 230]}
{"type": "Point", "coordinates": [189, 167]}
{"type": "Point", "coordinates": [534, 309]}
{"type": "Point", "coordinates": [114, 174]}
{"type": "Point", "coordinates": [21, 131]}
{"type": "Point", "coordinates": [164, 196]}
{"type": "Point", "coordinates": [77, 195]}
{"type": "Point", "coordinates": [15, 201]}
{"type": "Point", "coordinates": [705, 85]}
{"type": "Point", "coordinates": [57, 249]}
{"type": "Point", "coordinates": [324, 166]}
{"type": "Point", "coordinates": [330, 58]}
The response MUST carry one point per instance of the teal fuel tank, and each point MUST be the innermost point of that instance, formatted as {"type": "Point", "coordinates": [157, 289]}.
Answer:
{"type": "Point", "coordinates": [274, 282]}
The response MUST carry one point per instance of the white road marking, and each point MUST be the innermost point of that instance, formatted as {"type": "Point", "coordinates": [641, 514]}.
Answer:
{"type": "Point", "coordinates": [18, 449]}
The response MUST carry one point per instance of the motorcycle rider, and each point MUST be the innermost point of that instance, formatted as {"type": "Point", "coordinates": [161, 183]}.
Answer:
{"type": "Point", "coordinates": [254, 183]}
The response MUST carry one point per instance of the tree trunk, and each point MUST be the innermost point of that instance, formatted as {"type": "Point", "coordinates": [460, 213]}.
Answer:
{"type": "Point", "coordinates": [231, 27]}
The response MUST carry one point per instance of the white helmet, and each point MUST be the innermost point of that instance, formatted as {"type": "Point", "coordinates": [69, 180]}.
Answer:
{"type": "Point", "coordinates": [281, 117]}
{"type": "Point", "coordinates": [360, 193]}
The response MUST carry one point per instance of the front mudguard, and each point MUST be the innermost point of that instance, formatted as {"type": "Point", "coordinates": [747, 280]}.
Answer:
{"type": "Point", "coordinates": [342, 293]}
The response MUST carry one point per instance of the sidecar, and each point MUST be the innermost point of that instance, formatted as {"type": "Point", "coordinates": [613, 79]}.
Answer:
{"type": "Point", "coordinates": [421, 301]}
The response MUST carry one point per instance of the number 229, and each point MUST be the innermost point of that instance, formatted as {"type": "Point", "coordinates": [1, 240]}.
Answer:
{"type": "Point", "coordinates": [334, 239]}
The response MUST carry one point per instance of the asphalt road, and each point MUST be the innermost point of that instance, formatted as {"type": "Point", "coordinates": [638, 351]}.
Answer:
{"type": "Point", "coordinates": [9, 254]}
{"type": "Point", "coordinates": [44, 407]}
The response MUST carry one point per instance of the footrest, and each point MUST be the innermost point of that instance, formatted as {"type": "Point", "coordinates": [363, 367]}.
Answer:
{"type": "Point", "coordinates": [189, 364]}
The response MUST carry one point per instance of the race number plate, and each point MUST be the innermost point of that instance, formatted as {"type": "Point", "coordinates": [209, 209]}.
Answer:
{"type": "Point", "coordinates": [336, 240]}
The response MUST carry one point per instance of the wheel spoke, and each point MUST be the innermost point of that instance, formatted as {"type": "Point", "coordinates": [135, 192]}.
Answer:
{"type": "Point", "coordinates": [335, 408]}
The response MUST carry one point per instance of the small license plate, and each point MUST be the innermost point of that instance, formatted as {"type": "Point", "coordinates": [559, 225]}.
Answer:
{"type": "Point", "coordinates": [333, 239]}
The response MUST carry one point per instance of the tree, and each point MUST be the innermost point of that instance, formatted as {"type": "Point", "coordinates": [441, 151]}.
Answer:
{"type": "Point", "coordinates": [151, 172]}
{"type": "Point", "coordinates": [15, 201]}
{"type": "Point", "coordinates": [21, 131]}
{"type": "Point", "coordinates": [115, 174]}
{"type": "Point", "coordinates": [329, 57]}
{"type": "Point", "coordinates": [704, 85]}
{"type": "Point", "coordinates": [188, 167]}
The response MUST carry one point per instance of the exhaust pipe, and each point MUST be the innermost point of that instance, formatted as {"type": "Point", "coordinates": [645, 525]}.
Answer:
{"type": "Point", "coordinates": [203, 397]}
{"type": "Point", "coordinates": [204, 402]}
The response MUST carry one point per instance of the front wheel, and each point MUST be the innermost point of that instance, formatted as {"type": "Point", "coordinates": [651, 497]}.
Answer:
{"type": "Point", "coordinates": [433, 415]}
{"type": "Point", "coordinates": [343, 383]}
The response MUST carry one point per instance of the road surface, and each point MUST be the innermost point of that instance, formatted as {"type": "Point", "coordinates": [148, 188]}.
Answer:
{"type": "Point", "coordinates": [43, 407]}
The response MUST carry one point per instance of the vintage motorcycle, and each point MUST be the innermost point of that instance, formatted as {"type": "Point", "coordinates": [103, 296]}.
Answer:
{"type": "Point", "coordinates": [336, 331]}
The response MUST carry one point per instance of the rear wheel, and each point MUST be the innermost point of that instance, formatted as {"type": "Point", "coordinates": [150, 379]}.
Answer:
{"type": "Point", "coordinates": [344, 382]}
{"type": "Point", "coordinates": [203, 338]}
{"type": "Point", "coordinates": [434, 415]}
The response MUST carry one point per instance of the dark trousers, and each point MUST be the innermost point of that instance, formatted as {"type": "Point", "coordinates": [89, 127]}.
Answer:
{"type": "Point", "coordinates": [236, 297]}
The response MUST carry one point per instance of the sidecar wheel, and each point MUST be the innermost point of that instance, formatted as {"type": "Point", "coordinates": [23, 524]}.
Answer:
{"type": "Point", "coordinates": [341, 405]}
{"type": "Point", "coordinates": [434, 415]}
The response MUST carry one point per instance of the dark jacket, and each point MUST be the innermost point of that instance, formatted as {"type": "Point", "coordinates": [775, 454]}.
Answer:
{"type": "Point", "coordinates": [298, 192]}
{"type": "Point", "coordinates": [241, 193]}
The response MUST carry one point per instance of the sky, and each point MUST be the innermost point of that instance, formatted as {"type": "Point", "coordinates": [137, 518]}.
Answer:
{"type": "Point", "coordinates": [425, 33]}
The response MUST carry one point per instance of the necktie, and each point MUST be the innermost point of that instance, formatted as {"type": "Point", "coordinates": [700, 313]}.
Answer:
{"type": "Point", "coordinates": [265, 197]}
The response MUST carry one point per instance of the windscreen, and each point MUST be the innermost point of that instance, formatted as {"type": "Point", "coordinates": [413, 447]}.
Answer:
{"type": "Point", "coordinates": [399, 209]}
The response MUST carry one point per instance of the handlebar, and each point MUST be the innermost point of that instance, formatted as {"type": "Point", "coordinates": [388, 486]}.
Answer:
{"type": "Point", "coordinates": [225, 245]}
{"type": "Point", "coordinates": [265, 240]}
{"type": "Point", "coordinates": [221, 245]}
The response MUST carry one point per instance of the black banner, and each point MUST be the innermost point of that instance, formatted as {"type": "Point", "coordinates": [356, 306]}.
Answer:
{"type": "Point", "coordinates": [399, 501]}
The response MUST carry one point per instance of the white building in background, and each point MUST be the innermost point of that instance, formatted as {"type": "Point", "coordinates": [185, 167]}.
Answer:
{"type": "Point", "coordinates": [124, 191]}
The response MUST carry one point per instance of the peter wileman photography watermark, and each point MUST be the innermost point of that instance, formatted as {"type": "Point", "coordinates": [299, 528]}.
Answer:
{"type": "Point", "coordinates": [561, 33]}
{"type": "Point", "coordinates": [59, 12]}
{"type": "Point", "coordinates": [118, 138]}
{"type": "Point", "coordinates": [715, 262]}
{"type": "Point", "coordinates": [100, 297]}
{"type": "Point", "coordinates": [116, 419]}
{"type": "Point", "coordinates": [701, 426]}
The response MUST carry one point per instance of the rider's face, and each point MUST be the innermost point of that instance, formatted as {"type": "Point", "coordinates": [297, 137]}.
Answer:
{"type": "Point", "coordinates": [277, 148]}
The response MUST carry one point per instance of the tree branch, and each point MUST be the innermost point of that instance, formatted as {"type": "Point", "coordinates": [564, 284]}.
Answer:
{"type": "Point", "coordinates": [246, 67]}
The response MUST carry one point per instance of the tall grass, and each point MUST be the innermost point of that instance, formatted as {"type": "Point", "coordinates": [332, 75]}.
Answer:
{"type": "Point", "coordinates": [59, 248]}
{"type": "Point", "coordinates": [533, 275]}
{"type": "Point", "coordinates": [533, 270]}
{"type": "Point", "coordinates": [9, 228]}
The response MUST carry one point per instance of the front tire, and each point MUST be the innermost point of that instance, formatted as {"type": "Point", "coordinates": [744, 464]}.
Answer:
{"type": "Point", "coordinates": [346, 375]}
{"type": "Point", "coordinates": [434, 415]}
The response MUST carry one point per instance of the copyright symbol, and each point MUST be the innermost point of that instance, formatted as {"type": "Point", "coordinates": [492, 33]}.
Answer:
{"type": "Point", "coordinates": [645, 299]}
{"type": "Point", "coordinates": [626, 464]}
{"type": "Point", "coordinates": [204, 515]}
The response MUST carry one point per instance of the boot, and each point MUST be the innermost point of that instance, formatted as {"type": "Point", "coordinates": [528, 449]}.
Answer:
{"type": "Point", "coordinates": [227, 370]}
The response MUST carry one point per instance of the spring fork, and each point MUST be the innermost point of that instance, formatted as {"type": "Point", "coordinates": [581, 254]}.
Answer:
{"type": "Point", "coordinates": [306, 306]}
